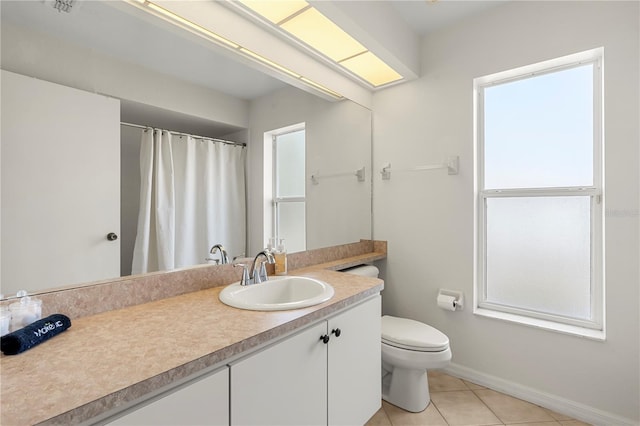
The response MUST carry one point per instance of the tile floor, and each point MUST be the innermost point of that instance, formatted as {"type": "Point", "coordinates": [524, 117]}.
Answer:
{"type": "Point", "coordinates": [459, 402]}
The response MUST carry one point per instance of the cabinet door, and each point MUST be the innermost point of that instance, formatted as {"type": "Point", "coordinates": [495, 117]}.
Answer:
{"type": "Point", "coordinates": [354, 365]}
{"type": "Point", "coordinates": [285, 384]}
{"type": "Point", "coordinates": [204, 401]}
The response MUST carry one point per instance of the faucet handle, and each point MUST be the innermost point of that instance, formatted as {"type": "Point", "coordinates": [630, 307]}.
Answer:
{"type": "Point", "coordinates": [263, 272]}
{"type": "Point", "coordinates": [259, 273]}
{"type": "Point", "coordinates": [245, 280]}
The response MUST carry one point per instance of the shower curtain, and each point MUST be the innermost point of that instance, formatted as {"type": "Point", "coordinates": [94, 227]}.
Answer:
{"type": "Point", "coordinates": [192, 196]}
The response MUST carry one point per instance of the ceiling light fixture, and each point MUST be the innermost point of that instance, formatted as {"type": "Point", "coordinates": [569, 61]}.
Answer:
{"type": "Point", "coordinates": [179, 19]}
{"type": "Point", "coordinates": [305, 23]}
{"type": "Point", "coordinates": [314, 29]}
{"type": "Point", "coordinates": [320, 87]}
{"type": "Point", "coordinates": [269, 62]}
{"type": "Point", "coordinates": [176, 19]}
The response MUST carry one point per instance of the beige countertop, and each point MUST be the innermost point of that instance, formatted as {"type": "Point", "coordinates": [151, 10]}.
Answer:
{"type": "Point", "coordinates": [107, 360]}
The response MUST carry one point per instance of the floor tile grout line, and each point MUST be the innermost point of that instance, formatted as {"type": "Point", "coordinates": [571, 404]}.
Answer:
{"type": "Point", "coordinates": [387, 414]}
{"type": "Point", "coordinates": [480, 399]}
{"type": "Point", "coordinates": [505, 423]}
{"type": "Point", "coordinates": [488, 408]}
{"type": "Point", "coordinates": [438, 410]}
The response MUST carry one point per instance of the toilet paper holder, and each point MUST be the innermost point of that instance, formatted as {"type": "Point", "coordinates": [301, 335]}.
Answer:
{"type": "Point", "coordinates": [450, 300]}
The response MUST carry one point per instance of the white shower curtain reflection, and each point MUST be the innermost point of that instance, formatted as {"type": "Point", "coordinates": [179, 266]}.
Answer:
{"type": "Point", "coordinates": [192, 196]}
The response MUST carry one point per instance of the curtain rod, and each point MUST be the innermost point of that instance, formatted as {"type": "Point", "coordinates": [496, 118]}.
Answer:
{"type": "Point", "coordinates": [186, 134]}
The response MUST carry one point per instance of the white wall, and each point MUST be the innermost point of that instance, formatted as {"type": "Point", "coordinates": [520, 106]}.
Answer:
{"type": "Point", "coordinates": [427, 218]}
{"type": "Point", "coordinates": [338, 139]}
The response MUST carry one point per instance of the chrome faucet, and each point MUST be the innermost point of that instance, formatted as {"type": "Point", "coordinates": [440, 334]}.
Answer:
{"type": "Point", "coordinates": [223, 253]}
{"type": "Point", "coordinates": [257, 274]}
{"type": "Point", "coordinates": [260, 275]}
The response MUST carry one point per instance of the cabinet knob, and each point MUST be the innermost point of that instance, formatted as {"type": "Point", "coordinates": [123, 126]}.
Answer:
{"type": "Point", "coordinates": [112, 236]}
{"type": "Point", "coordinates": [336, 331]}
{"type": "Point", "coordinates": [325, 338]}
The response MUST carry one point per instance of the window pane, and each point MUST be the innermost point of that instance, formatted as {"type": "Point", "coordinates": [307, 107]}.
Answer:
{"type": "Point", "coordinates": [538, 132]}
{"type": "Point", "coordinates": [290, 170]}
{"type": "Point", "coordinates": [291, 225]}
{"type": "Point", "coordinates": [538, 254]}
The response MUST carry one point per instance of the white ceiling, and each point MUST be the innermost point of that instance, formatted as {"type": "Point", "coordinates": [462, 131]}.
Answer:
{"type": "Point", "coordinates": [146, 42]}
{"type": "Point", "coordinates": [424, 16]}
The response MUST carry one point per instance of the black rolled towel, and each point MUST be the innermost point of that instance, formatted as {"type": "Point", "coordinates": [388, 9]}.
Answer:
{"type": "Point", "coordinates": [34, 334]}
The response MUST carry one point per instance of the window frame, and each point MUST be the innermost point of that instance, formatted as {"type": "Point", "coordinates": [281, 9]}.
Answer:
{"type": "Point", "coordinates": [593, 327]}
{"type": "Point", "coordinates": [278, 200]}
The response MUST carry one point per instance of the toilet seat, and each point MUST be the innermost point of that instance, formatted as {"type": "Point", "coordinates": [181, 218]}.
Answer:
{"type": "Point", "coordinates": [413, 335]}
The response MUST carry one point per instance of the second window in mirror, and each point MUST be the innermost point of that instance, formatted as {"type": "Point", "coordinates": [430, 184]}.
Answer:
{"type": "Point", "coordinates": [288, 185]}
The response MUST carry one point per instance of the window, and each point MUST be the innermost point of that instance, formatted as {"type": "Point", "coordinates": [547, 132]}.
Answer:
{"type": "Point", "coordinates": [289, 189]}
{"type": "Point", "coordinates": [539, 204]}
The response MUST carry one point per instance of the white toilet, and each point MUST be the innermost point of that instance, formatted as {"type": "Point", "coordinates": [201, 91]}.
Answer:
{"type": "Point", "coordinates": [409, 349]}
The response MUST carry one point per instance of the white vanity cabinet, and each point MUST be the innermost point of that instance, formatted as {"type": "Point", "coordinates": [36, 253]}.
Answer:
{"type": "Point", "coordinates": [326, 374]}
{"type": "Point", "coordinates": [354, 360]}
{"type": "Point", "coordinates": [285, 384]}
{"type": "Point", "coordinates": [202, 401]}
{"type": "Point", "coordinates": [305, 379]}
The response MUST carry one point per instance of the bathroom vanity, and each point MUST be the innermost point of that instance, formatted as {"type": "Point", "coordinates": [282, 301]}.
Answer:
{"type": "Point", "coordinates": [206, 362]}
{"type": "Point", "coordinates": [305, 378]}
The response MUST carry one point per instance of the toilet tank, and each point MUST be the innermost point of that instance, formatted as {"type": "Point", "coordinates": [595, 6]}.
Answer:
{"type": "Point", "coordinates": [363, 270]}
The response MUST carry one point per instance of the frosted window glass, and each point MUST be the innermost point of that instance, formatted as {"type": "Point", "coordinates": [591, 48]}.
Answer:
{"type": "Point", "coordinates": [538, 132]}
{"type": "Point", "coordinates": [291, 225]}
{"type": "Point", "coordinates": [290, 160]}
{"type": "Point", "coordinates": [538, 254]}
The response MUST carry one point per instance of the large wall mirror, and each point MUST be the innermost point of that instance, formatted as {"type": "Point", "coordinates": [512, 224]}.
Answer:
{"type": "Point", "coordinates": [154, 75]}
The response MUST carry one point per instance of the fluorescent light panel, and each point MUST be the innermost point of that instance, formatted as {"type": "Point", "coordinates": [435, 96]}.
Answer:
{"type": "Point", "coordinates": [175, 18]}
{"type": "Point", "coordinates": [316, 30]}
{"type": "Point", "coordinates": [371, 68]}
{"type": "Point", "coordinates": [276, 11]}
{"type": "Point", "coordinates": [311, 27]}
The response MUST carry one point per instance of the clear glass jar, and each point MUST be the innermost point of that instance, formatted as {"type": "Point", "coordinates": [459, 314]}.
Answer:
{"type": "Point", "coordinates": [5, 320]}
{"type": "Point", "coordinates": [24, 312]}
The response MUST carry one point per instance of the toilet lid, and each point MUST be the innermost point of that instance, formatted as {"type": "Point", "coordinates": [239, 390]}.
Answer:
{"type": "Point", "coordinates": [414, 335]}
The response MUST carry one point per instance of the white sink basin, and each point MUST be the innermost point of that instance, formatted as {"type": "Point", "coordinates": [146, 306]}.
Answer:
{"type": "Point", "coordinates": [277, 294]}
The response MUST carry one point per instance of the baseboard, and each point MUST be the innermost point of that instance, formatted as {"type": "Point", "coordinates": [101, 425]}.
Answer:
{"type": "Point", "coordinates": [553, 402]}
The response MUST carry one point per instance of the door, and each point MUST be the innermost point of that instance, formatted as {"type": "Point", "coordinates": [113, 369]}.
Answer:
{"type": "Point", "coordinates": [204, 401]}
{"type": "Point", "coordinates": [285, 384]}
{"type": "Point", "coordinates": [60, 185]}
{"type": "Point", "coordinates": [354, 364]}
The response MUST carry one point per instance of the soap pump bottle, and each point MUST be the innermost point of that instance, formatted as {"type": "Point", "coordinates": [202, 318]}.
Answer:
{"type": "Point", "coordinates": [281, 258]}
{"type": "Point", "coordinates": [271, 245]}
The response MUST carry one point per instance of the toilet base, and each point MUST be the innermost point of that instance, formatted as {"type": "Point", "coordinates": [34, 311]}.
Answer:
{"type": "Point", "coordinates": [407, 389]}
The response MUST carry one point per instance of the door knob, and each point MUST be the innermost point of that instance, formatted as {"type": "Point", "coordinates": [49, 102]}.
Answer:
{"type": "Point", "coordinates": [336, 331]}
{"type": "Point", "coordinates": [325, 338]}
{"type": "Point", "coordinates": [112, 236]}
